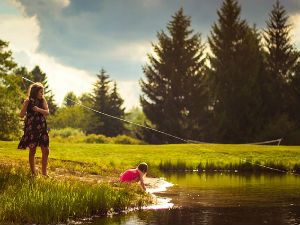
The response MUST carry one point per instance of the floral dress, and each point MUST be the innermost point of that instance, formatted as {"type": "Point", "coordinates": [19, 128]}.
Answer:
{"type": "Point", "coordinates": [35, 128]}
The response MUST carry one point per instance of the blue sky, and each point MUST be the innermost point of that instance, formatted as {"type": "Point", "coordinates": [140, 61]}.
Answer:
{"type": "Point", "coordinates": [73, 39]}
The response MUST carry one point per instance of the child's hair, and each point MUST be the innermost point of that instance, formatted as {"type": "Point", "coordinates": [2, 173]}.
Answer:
{"type": "Point", "coordinates": [143, 167]}
{"type": "Point", "coordinates": [34, 90]}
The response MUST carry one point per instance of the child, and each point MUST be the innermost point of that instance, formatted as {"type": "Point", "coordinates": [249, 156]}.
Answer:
{"type": "Point", "coordinates": [35, 129]}
{"type": "Point", "coordinates": [135, 175]}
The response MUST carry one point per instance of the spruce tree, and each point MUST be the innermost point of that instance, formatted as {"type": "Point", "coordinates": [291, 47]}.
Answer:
{"type": "Point", "coordinates": [24, 84]}
{"type": "Point", "coordinates": [115, 108]}
{"type": "Point", "coordinates": [70, 99]}
{"type": "Point", "coordinates": [39, 76]}
{"type": "Point", "coordinates": [173, 97]}
{"type": "Point", "coordinates": [109, 102]}
{"type": "Point", "coordinates": [282, 62]}
{"type": "Point", "coordinates": [234, 77]}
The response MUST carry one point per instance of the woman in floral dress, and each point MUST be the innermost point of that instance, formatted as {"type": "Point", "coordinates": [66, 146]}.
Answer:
{"type": "Point", "coordinates": [35, 130]}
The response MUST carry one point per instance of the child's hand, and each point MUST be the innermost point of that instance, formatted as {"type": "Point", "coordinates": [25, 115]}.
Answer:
{"type": "Point", "coordinates": [35, 108]}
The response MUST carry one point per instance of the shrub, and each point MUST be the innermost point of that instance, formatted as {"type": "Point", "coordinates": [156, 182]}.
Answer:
{"type": "Point", "coordinates": [123, 139]}
{"type": "Point", "coordinates": [93, 138]}
{"type": "Point", "coordinates": [66, 132]}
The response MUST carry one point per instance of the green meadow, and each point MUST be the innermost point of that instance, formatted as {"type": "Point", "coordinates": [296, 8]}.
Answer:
{"type": "Point", "coordinates": [84, 177]}
{"type": "Point", "coordinates": [169, 157]}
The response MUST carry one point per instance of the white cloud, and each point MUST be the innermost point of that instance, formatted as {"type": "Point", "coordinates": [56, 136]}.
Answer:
{"type": "Point", "coordinates": [23, 35]}
{"type": "Point", "coordinates": [129, 91]}
{"type": "Point", "coordinates": [295, 21]}
{"type": "Point", "coordinates": [134, 51]}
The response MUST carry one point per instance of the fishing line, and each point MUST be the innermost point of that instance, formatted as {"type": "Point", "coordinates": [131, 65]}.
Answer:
{"type": "Point", "coordinates": [179, 138]}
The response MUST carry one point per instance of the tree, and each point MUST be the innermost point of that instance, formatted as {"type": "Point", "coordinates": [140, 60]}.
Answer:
{"type": "Point", "coordinates": [234, 77]}
{"type": "Point", "coordinates": [174, 96]}
{"type": "Point", "coordinates": [39, 76]}
{"type": "Point", "coordinates": [70, 99]}
{"type": "Point", "coordinates": [282, 65]}
{"type": "Point", "coordinates": [74, 117]}
{"type": "Point", "coordinates": [10, 93]}
{"type": "Point", "coordinates": [24, 84]}
{"type": "Point", "coordinates": [109, 102]}
{"type": "Point", "coordinates": [116, 109]}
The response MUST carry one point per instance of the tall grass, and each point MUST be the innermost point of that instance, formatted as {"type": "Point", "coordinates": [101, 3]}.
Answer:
{"type": "Point", "coordinates": [24, 199]}
{"type": "Point", "coordinates": [241, 166]}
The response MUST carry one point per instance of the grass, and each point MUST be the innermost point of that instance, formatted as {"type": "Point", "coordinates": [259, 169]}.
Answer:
{"type": "Point", "coordinates": [25, 199]}
{"type": "Point", "coordinates": [85, 175]}
{"type": "Point", "coordinates": [108, 157]}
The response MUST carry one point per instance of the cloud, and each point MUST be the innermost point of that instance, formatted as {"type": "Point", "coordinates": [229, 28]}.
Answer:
{"type": "Point", "coordinates": [133, 51]}
{"type": "Point", "coordinates": [129, 91]}
{"type": "Point", "coordinates": [295, 22]}
{"type": "Point", "coordinates": [22, 33]}
{"type": "Point", "coordinates": [24, 42]}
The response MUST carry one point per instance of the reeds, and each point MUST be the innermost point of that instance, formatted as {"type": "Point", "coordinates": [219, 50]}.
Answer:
{"type": "Point", "coordinates": [241, 166]}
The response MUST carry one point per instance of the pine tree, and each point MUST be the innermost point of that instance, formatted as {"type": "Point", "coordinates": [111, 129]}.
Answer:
{"type": "Point", "coordinates": [70, 99]}
{"type": "Point", "coordinates": [282, 60]}
{"type": "Point", "coordinates": [39, 76]}
{"type": "Point", "coordinates": [236, 67]}
{"type": "Point", "coordinates": [115, 102]}
{"type": "Point", "coordinates": [173, 98]}
{"type": "Point", "coordinates": [24, 84]}
{"type": "Point", "coordinates": [109, 102]}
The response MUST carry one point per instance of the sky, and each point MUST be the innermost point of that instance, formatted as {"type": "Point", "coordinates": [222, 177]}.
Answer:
{"type": "Point", "coordinates": [72, 40]}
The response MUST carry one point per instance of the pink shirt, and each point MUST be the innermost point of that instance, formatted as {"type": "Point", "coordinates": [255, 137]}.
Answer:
{"type": "Point", "coordinates": [129, 175]}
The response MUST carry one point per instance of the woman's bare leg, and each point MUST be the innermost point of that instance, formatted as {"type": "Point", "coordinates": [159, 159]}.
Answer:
{"type": "Point", "coordinates": [32, 152]}
{"type": "Point", "coordinates": [45, 154]}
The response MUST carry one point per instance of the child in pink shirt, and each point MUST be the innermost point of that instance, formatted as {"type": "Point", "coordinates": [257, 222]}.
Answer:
{"type": "Point", "coordinates": [135, 175]}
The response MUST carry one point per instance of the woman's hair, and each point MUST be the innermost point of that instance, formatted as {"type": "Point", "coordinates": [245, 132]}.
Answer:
{"type": "Point", "coordinates": [34, 90]}
{"type": "Point", "coordinates": [143, 167]}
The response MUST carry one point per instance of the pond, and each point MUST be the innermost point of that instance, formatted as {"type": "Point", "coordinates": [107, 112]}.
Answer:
{"type": "Point", "coordinates": [221, 198]}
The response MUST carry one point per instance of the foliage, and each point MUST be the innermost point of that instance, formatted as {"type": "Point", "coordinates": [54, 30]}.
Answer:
{"type": "Point", "coordinates": [174, 95]}
{"type": "Point", "coordinates": [106, 100]}
{"type": "Point", "coordinates": [235, 77]}
{"type": "Point", "coordinates": [10, 94]}
{"type": "Point", "coordinates": [93, 138]}
{"type": "Point", "coordinates": [74, 117]}
{"type": "Point", "coordinates": [66, 132]}
{"type": "Point", "coordinates": [70, 99]}
{"type": "Point", "coordinates": [282, 65]}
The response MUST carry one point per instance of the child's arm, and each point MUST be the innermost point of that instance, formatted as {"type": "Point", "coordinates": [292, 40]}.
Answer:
{"type": "Point", "coordinates": [24, 108]}
{"type": "Point", "coordinates": [44, 111]}
{"type": "Point", "coordinates": [142, 182]}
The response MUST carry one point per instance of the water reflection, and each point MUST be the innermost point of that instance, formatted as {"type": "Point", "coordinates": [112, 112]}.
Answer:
{"type": "Point", "coordinates": [223, 199]}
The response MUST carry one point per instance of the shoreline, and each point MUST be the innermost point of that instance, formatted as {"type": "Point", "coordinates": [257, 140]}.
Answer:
{"type": "Point", "coordinates": [158, 185]}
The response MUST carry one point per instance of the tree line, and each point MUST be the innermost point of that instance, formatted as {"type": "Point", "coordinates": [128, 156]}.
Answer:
{"type": "Point", "coordinates": [245, 89]}
{"type": "Point", "coordinates": [240, 86]}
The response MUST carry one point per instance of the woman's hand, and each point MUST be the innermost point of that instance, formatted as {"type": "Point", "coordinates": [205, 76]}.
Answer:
{"type": "Point", "coordinates": [36, 109]}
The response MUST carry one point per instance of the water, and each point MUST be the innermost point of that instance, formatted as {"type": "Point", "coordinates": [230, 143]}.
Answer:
{"type": "Point", "coordinates": [222, 198]}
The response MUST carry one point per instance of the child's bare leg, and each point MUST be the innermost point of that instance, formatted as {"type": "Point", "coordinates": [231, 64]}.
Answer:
{"type": "Point", "coordinates": [32, 152]}
{"type": "Point", "coordinates": [45, 154]}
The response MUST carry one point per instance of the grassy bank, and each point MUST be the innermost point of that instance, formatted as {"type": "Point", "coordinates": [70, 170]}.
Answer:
{"type": "Point", "coordinates": [25, 199]}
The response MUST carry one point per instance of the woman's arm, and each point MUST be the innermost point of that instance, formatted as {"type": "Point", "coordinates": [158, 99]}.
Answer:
{"type": "Point", "coordinates": [44, 111]}
{"type": "Point", "coordinates": [24, 108]}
